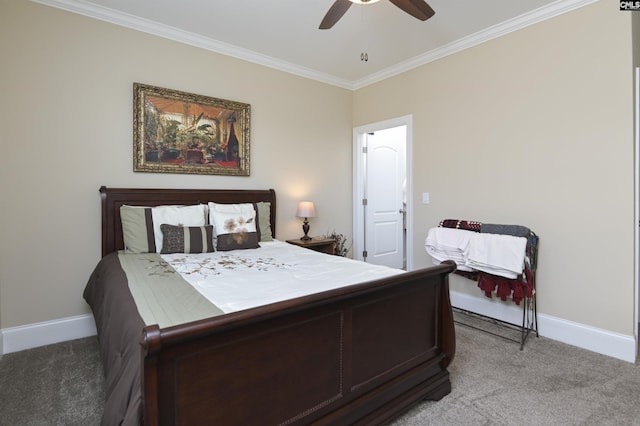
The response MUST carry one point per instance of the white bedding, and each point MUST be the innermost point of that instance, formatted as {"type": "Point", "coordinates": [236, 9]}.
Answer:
{"type": "Point", "coordinates": [243, 279]}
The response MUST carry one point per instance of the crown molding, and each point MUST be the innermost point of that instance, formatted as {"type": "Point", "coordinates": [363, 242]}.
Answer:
{"type": "Point", "coordinates": [112, 16]}
{"type": "Point", "coordinates": [90, 10]}
{"type": "Point", "coordinates": [541, 14]}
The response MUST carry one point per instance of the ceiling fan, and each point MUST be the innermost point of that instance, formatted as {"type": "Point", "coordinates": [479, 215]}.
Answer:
{"type": "Point", "coordinates": [416, 8]}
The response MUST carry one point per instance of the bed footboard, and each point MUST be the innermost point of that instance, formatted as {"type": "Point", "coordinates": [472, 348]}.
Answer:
{"type": "Point", "coordinates": [360, 354]}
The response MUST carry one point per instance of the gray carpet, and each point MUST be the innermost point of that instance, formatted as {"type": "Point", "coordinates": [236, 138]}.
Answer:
{"type": "Point", "coordinates": [59, 384]}
{"type": "Point", "coordinates": [494, 383]}
{"type": "Point", "coordinates": [548, 383]}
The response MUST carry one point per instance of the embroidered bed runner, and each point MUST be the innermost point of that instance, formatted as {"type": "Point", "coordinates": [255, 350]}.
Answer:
{"type": "Point", "coordinates": [242, 279]}
{"type": "Point", "coordinates": [162, 296]}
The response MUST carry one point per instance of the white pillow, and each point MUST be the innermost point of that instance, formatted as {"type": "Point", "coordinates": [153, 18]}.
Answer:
{"type": "Point", "coordinates": [242, 208]}
{"type": "Point", "coordinates": [234, 226]}
{"type": "Point", "coordinates": [176, 215]}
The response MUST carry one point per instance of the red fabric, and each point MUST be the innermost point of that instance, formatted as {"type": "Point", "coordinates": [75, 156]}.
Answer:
{"type": "Point", "coordinates": [504, 288]}
{"type": "Point", "coordinates": [467, 225]}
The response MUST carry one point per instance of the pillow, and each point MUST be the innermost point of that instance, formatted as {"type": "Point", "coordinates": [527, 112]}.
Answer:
{"type": "Point", "coordinates": [176, 215]}
{"type": "Point", "coordinates": [263, 216]}
{"type": "Point", "coordinates": [263, 219]}
{"type": "Point", "coordinates": [141, 225]}
{"type": "Point", "coordinates": [226, 208]}
{"type": "Point", "coordinates": [186, 239]}
{"type": "Point", "coordinates": [234, 225]}
{"type": "Point", "coordinates": [137, 229]}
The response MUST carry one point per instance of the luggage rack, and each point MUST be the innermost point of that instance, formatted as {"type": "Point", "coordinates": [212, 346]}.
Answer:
{"type": "Point", "coordinates": [525, 283]}
{"type": "Point", "coordinates": [529, 322]}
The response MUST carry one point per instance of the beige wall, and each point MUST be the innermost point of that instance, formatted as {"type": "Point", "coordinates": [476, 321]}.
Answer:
{"type": "Point", "coordinates": [635, 18]}
{"type": "Point", "coordinates": [534, 128]}
{"type": "Point", "coordinates": [66, 128]}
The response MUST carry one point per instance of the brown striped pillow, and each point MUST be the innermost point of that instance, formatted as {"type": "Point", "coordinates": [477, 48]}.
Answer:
{"type": "Point", "coordinates": [186, 239]}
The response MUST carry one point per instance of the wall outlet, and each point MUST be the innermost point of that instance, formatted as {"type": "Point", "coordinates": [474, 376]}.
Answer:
{"type": "Point", "coordinates": [425, 198]}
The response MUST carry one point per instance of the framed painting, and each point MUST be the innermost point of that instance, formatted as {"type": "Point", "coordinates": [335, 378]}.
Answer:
{"type": "Point", "coordinates": [178, 132]}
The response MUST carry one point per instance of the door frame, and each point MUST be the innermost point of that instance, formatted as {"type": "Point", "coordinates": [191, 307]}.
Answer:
{"type": "Point", "coordinates": [358, 183]}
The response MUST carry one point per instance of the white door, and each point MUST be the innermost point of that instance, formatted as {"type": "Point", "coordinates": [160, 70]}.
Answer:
{"type": "Point", "coordinates": [385, 205]}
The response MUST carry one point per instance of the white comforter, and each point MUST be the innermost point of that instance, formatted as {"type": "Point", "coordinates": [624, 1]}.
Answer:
{"type": "Point", "coordinates": [243, 279]}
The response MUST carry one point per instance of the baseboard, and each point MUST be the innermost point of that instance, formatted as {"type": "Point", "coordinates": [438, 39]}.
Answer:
{"type": "Point", "coordinates": [591, 338]}
{"type": "Point", "coordinates": [583, 336]}
{"type": "Point", "coordinates": [29, 336]}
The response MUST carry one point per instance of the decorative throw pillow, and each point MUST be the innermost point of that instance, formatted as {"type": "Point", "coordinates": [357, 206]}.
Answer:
{"type": "Point", "coordinates": [234, 225]}
{"type": "Point", "coordinates": [186, 239]}
{"type": "Point", "coordinates": [141, 225]}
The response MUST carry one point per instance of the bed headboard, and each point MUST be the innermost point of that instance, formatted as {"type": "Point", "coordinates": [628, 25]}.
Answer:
{"type": "Point", "coordinates": [113, 198]}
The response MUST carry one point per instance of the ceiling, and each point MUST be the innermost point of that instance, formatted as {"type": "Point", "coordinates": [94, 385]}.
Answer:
{"type": "Point", "coordinates": [284, 34]}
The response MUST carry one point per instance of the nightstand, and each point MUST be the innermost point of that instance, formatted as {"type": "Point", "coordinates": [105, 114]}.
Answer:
{"type": "Point", "coordinates": [321, 244]}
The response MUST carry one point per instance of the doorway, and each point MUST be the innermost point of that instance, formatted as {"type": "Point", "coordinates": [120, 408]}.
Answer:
{"type": "Point", "coordinates": [382, 189]}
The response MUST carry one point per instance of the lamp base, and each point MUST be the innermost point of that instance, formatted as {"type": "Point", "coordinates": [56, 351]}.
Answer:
{"type": "Point", "coordinates": [305, 229]}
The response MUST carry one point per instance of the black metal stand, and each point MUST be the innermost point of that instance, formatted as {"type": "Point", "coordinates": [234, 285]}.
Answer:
{"type": "Point", "coordinates": [528, 302]}
{"type": "Point", "coordinates": [529, 321]}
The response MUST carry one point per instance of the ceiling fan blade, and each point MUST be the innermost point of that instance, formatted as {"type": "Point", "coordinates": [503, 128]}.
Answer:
{"type": "Point", "coordinates": [416, 8]}
{"type": "Point", "coordinates": [334, 14]}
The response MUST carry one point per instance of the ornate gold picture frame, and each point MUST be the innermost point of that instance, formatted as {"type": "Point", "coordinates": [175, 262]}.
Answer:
{"type": "Point", "coordinates": [178, 132]}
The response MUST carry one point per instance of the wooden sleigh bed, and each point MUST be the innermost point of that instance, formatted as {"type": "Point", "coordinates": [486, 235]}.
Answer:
{"type": "Point", "coordinates": [360, 354]}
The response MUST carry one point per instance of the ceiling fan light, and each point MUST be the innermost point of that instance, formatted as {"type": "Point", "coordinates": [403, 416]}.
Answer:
{"type": "Point", "coordinates": [364, 1]}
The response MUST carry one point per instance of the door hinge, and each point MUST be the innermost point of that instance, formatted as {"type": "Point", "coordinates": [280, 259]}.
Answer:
{"type": "Point", "coordinates": [364, 149]}
{"type": "Point", "coordinates": [364, 201]}
{"type": "Point", "coordinates": [364, 254]}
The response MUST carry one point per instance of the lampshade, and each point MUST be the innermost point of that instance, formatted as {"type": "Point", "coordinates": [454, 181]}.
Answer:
{"type": "Point", "coordinates": [306, 209]}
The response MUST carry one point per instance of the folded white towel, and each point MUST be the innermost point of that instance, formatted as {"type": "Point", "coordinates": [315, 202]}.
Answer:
{"type": "Point", "coordinates": [496, 254]}
{"type": "Point", "coordinates": [448, 244]}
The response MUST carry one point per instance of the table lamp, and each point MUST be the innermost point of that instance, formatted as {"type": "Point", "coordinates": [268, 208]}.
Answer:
{"type": "Point", "coordinates": [306, 210]}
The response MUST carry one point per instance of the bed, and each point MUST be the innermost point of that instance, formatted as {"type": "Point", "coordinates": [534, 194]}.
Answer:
{"type": "Point", "coordinates": [360, 354]}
